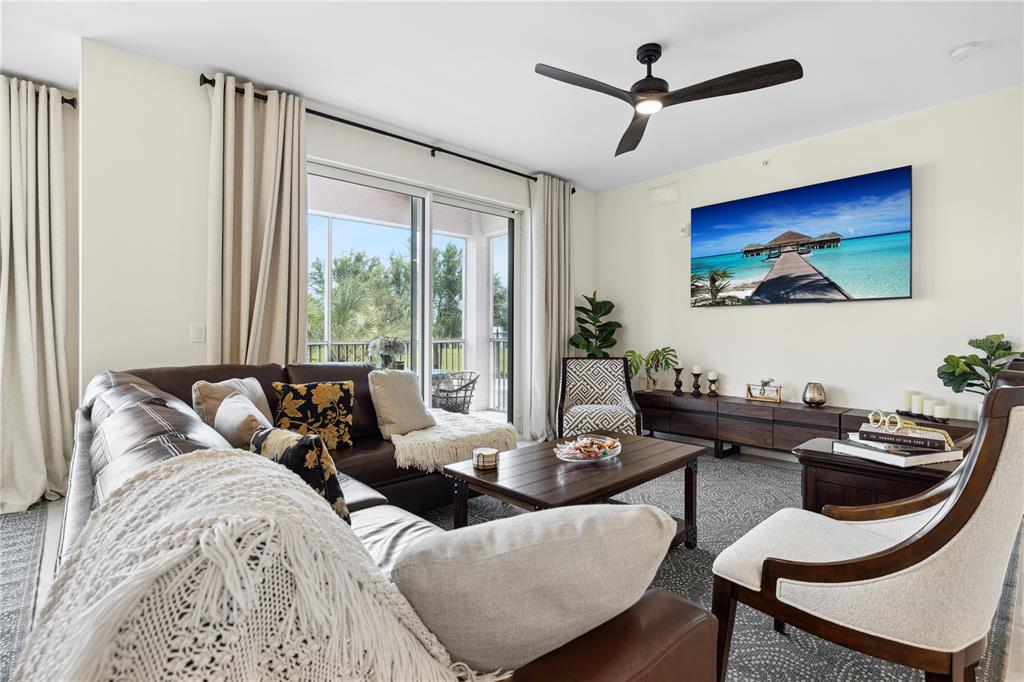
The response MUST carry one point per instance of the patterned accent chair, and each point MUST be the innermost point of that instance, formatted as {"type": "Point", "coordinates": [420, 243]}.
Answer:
{"type": "Point", "coordinates": [596, 395]}
{"type": "Point", "coordinates": [914, 581]}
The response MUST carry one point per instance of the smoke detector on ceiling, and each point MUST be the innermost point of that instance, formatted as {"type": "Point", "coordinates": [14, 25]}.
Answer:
{"type": "Point", "coordinates": [965, 51]}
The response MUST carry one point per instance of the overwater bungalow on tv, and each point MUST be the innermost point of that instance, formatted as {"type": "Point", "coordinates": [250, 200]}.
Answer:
{"type": "Point", "coordinates": [793, 241]}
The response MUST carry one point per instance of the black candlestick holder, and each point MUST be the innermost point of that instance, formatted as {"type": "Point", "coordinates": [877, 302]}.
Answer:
{"type": "Point", "coordinates": [713, 388]}
{"type": "Point", "coordinates": [696, 385]}
{"type": "Point", "coordinates": [679, 381]}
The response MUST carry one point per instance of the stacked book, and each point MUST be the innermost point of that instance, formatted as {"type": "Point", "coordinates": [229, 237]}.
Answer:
{"type": "Point", "coordinates": [907, 447]}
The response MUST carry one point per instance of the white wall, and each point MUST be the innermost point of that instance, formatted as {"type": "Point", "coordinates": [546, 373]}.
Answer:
{"type": "Point", "coordinates": [145, 130]}
{"type": "Point", "coordinates": [967, 258]}
{"type": "Point", "coordinates": [144, 147]}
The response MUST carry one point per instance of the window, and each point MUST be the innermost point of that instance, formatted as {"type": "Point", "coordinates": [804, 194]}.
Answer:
{"type": "Point", "coordinates": [442, 286]}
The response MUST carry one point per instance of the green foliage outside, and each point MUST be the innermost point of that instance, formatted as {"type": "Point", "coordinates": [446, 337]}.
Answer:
{"type": "Point", "coordinates": [371, 297]}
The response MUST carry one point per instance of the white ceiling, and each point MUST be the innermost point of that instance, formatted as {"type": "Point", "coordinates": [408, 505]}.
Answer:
{"type": "Point", "coordinates": [461, 74]}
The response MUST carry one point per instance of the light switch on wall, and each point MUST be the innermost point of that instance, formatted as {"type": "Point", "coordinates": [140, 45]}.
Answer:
{"type": "Point", "coordinates": [197, 332]}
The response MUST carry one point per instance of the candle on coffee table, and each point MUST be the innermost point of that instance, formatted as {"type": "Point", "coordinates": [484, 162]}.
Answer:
{"type": "Point", "coordinates": [929, 408]}
{"type": "Point", "coordinates": [916, 403]}
{"type": "Point", "coordinates": [942, 411]}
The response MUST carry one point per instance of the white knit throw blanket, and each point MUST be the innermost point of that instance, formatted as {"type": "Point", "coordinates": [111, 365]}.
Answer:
{"type": "Point", "coordinates": [222, 565]}
{"type": "Point", "coordinates": [451, 440]}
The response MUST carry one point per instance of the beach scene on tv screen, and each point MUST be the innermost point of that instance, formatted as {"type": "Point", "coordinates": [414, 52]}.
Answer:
{"type": "Point", "coordinates": [842, 240]}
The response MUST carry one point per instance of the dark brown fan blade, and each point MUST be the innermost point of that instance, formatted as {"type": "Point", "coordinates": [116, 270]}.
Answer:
{"type": "Point", "coordinates": [634, 133]}
{"type": "Point", "coordinates": [756, 78]}
{"type": "Point", "coordinates": [583, 82]}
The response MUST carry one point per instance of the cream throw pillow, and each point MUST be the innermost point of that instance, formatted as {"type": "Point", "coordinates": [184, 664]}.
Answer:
{"type": "Point", "coordinates": [502, 593]}
{"type": "Point", "coordinates": [237, 419]}
{"type": "Point", "coordinates": [207, 397]}
{"type": "Point", "coordinates": [396, 399]}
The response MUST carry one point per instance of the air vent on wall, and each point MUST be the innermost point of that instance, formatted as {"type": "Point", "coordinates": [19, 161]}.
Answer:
{"type": "Point", "coordinates": [661, 195]}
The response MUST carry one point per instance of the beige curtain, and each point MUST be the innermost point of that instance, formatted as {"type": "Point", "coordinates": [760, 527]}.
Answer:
{"type": "Point", "coordinates": [550, 303]}
{"type": "Point", "coordinates": [256, 304]}
{"type": "Point", "coordinates": [35, 398]}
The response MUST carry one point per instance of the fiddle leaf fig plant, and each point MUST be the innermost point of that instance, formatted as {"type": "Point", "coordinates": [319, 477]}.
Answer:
{"type": "Point", "coordinates": [594, 334]}
{"type": "Point", "coordinates": [973, 373]}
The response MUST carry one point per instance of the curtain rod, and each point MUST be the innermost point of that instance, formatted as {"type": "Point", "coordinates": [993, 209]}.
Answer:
{"type": "Point", "coordinates": [434, 149]}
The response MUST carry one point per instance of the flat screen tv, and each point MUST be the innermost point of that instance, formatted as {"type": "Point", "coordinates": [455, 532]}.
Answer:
{"type": "Point", "coordinates": [843, 240]}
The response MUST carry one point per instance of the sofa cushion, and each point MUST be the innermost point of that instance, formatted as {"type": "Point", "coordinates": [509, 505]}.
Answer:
{"type": "Point", "coordinates": [397, 402]}
{"type": "Point", "coordinates": [386, 532]}
{"type": "Point", "coordinates": [118, 397]}
{"type": "Point", "coordinates": [238, 418]}
{"type": "Point", "coordinates": [372, 461]}
{"type": "Point", "coordinates": [178, 381]}
{"type": "Point", "coordinates": [104, 381]}
{"type": "Point", "coordinates": [141, 427]}
{"type": "Point", "coordinates": [323, 408]}
{"type": "Point", "coordinates": [305, 456]}
{"type": "Point", "coordinates": [546, 577]}
{"type": "Point", "coordinates": [207, 396]}
{"type": "Point", "coordinates": [364, 419]}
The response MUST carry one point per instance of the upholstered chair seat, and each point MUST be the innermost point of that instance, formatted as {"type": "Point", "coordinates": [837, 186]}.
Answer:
{"type": "Point", "coordinates": [596, 395]}
{"type": "Point", "coordinates": [915, 581]}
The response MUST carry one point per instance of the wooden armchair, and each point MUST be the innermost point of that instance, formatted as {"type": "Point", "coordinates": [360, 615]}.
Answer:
{"type": "Point", "coordinates": [914, 581]}
{"type": "Point", "coordinates": [596, 395]}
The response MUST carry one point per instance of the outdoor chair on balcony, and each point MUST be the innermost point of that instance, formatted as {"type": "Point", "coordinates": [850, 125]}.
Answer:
{"type": "Point", "coordinates": [914, 581]}
{"type": "Point", "coordinates": [454, 392]}
{"type": "Point", "coordinates": [596, 396]}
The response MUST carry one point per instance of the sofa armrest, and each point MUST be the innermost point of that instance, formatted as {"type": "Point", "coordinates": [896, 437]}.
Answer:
{"type": "Point", "coordinates": [358, 495]}
{"type": "Point", "coordinates": [660, 638]}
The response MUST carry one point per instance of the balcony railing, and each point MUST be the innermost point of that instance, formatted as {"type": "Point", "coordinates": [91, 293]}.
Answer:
{"type": "Point", "coordinates": [499, 374]}
{"type": "Point", "coordinates": [446, 354]}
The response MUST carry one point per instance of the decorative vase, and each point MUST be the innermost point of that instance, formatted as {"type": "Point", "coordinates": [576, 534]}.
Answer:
{"type": "Point", "coordinates": [814, 394]}
{"type": "Point", "coordinates": [648, 383]}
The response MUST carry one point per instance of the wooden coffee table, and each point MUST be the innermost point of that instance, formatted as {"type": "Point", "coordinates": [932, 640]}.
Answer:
{"type": "Point", "coordinates": [533, 478]}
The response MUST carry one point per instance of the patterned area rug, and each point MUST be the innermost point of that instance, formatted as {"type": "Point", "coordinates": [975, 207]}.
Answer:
{"type": "Point", "coordinates": [21, 549]}
{"type": "Point", "coordinates": [733, 495]}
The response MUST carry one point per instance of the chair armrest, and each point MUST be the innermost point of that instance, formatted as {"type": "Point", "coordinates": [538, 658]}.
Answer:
{"type": "Point", "coordinates": [661, 637]}
{"type": "Point", "coordinates": [888, 510]}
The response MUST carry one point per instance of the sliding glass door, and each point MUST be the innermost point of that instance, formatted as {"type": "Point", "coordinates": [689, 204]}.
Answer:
{"type": "Point", "coordinates": [362, 273]}
{"type": "Point", "coordinates": [389, 262]}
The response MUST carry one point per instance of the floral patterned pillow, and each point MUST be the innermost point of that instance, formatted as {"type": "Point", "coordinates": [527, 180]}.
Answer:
{"type": "Point", "coordinates": [323, 408]}
{"type": "Point", "coordinates": [306, 456]}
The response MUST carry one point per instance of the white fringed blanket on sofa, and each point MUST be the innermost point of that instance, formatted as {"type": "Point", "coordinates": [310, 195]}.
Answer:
{"type": "Point", "coordinates": [222, 565]}
{"type": "Point", "coordinates": [451, 440]}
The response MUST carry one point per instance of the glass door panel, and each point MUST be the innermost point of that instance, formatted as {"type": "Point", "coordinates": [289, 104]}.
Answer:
{"type": "Point", "coordinates": [470, 301]}
{"type": "Point", "coordinates": [370, 237]}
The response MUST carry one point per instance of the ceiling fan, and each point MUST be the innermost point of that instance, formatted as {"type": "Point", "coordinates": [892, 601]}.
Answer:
{"type": "Point", "coordinates": [650, 94]}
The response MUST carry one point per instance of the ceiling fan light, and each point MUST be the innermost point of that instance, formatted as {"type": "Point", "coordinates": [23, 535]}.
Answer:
{"type": "Point", "coordinates": [648, 106]}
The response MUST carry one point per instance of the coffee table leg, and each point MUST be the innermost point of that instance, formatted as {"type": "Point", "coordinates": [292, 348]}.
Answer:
{"type": "Point", "coordinates": [690, 503]}
{"type": "Point", "coordinates": [461, 506]}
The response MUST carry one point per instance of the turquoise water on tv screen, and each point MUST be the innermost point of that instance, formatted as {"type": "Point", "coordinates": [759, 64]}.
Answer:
{"type": "Point", "coordinates": [866, 267]}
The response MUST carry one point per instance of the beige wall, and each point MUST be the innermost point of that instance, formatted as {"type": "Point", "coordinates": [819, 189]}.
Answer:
{"type": "Point", "coordinates": [144, 162]}
{"type": "Point", "coordinates": [967, 257]}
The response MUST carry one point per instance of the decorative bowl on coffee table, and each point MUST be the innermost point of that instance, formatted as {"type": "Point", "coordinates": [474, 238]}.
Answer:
{"type": "Point", "coordinates": [588, 448]}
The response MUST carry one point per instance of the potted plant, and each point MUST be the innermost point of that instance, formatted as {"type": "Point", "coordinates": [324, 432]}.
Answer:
{"type": "Point", "coordinates": [657, 360]}
{"type": "Point", "coordinates": [595, 334]}
{"type": "Point", "coordinates": [973, 373]}
{"type": "Point", "coordinates": [385, 348]}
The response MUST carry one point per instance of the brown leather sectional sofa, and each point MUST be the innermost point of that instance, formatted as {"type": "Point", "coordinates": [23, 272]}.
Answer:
{"type": "Point", "coordinates": [663, 637]}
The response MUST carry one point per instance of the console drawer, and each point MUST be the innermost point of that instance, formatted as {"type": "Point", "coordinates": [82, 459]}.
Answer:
{"type": "Point", "coordinates": [701, 425]}
{"type": "Point", "coordinates": [656, 420]}
{"type": "Point", "coordinates": [694, 403]}
{"type": "Point", "coordinates": [787, 437]}
{"type": "Point", "coordinates": [656, 400]}
{"type": "Point", "coordinates": [745, 432]}
{"type": "Point", "coordinates": [807, 415]}
{"type": "Point", "coordinates": [741, 409]}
